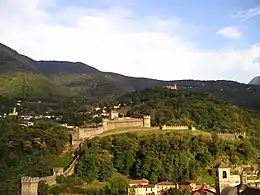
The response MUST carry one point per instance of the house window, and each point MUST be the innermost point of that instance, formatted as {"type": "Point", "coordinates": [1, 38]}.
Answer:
{"type": "Point", "coordinates": [224, 174]}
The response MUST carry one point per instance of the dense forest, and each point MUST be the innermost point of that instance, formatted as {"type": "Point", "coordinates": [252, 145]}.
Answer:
{"type": "Point", "coordinates": [174, 157]}
{"type": "Point", "coordinates": [170, 156]}
{"type": "Point", "coordinates": [29, 151]}
{"type": "Point", "coordinates": [182, 107]}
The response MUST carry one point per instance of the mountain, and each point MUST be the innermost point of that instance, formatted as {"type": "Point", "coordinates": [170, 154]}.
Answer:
{"type": "Point", "coordinates": [51, 68]}
{"type": "Point", "coordinates": [11, 61]}
{"type": "Point", "coordinates": [255, 81]}
{"type": "Point", "coordinates": [20, 79]}
{"type": "Point", "coordinates": [81, 80]}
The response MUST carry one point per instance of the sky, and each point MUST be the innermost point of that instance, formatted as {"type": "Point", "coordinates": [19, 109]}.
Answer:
{"type": "Point", "coordinates": [160, 39]}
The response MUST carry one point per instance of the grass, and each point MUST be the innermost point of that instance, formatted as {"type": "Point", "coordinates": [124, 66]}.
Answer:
{"type": "Point", "coordinates": [152, 130]}
{"type": "Point", "coordinates": [206, 178]}
{"type": "Point", "coordinates": [94, 184]}
{"type": "Point", "coordinates": [61, 161]}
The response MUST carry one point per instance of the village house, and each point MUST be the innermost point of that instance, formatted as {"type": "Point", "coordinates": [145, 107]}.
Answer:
{"type": "Point", "coordinates": [138, 182]}
{"type": "Point", "coordinates": [141, 187]}
{"type": "Point", "coordinates": [143, 190]}
{"type": "Point", "coordinates": [164, 186]}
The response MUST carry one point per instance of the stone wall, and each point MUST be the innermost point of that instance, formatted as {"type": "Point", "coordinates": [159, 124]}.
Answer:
{"type": "Point", "coordinates": [177, 127]}
{"type": "Point", "coordinates": [29, 185]}
{"type": "Point", "coordinates": [231, 136]}
{"type": "Point", "coordinates": [80, 134]}
{"type": "Point", "coordinates": [124, 123]}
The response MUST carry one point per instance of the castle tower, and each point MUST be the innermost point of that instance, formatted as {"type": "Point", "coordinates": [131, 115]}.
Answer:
{"type": "Point", "coordinates": [57, 171]}
{"type": "Point", "coordinates": [222, 177]}
{"type": "Point", "coordinates": [104, 124]}
{"type": "Point", "coordinates": [113, 114]}
{"type": "Point", "coordinates": [243, 178]}
{"type": "Point", "coordinates": [14, 113]}
{"type": "Point", "coordinates": [147, 121]}
{"type": "Point", "coordinates": [29, 185]}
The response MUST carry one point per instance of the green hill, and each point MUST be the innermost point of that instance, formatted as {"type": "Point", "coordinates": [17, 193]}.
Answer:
{"type": "Point", "coordinates": [30, 151]}
{"type": "Point", "coordinates": [19, 79]}
{"type": "Point", "coordinates": [84, 81]}
{"type": "Point", "coordinates": [11, 61]}
{"type": "Point", "coordinates": [29, 87]}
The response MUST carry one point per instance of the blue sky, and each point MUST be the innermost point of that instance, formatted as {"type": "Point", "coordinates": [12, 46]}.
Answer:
{"type": "Point", "coordinates": [205, 16]}
{"type": "Point", "coordinates": [162, 39]}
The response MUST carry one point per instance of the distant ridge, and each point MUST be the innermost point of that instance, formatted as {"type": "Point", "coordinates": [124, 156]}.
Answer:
{"type": "Point", "coordinates": [84, 81]}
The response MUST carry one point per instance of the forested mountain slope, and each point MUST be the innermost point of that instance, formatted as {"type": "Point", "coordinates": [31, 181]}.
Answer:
{"type": "Point", "coordinates": [84, 81]}
{"type": "Point", "coordinates": [181, 107]}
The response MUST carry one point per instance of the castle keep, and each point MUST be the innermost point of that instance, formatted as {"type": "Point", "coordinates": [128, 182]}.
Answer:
{"type": "Point", "coordinates": [127, 122]}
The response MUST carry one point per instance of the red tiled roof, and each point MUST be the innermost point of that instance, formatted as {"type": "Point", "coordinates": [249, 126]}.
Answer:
{"type": "Point", "coordinates": [203, 187]}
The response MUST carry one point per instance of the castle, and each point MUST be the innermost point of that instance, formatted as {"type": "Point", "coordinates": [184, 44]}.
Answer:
{"type": "Point", "coordinates": [174, 87]}
{"type": "Point", "coordinates": [114, 122]}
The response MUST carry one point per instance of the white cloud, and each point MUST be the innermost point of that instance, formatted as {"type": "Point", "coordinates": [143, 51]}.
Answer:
{"type": "Point", "coordinates": [230, 32]}
{"type": "Point", "coordinates": [116, 40]}
{"type": "Point", "coordinates": [249, 13]}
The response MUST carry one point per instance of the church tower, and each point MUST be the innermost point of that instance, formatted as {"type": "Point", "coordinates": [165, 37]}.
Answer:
{"type": "Point", "coordinates": [222, 177]}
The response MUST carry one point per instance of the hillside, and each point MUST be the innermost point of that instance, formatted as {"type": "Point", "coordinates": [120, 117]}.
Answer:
{"type": "Point", "coordinates": [51, 68]}
{"type": "Point", "coordinates": [181, 107]}
{"type": "Point", "coordinates": [28, 86]}
{"type": "Point", "coordinates": [20, 79]}
{"type": "Point", "coordinates": [30, 151]}
{"type": "Point", "coordinates": [165, 157]}
{"type": "Point", "coordinates": [84, 81]}
{"type": "Point", "coordinates": [11, 61]}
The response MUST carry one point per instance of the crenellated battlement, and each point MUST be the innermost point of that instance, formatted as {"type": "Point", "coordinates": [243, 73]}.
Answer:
{"type": "Point", "coordinates": [232, 136]}
{"type": "Point", "coordinates": [115, 122]}
{"type": "Point", "coordinates": [177, 127]}
{"type": "Point", "coordinates": [126, 119]}
{"type": "Point", "coordinates": [29, 179]}
{"type": "Point", "coordinates": [47, 178]}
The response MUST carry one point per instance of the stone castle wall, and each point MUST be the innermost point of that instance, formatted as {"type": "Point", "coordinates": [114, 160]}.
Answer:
{"type": "Point", "coordinates": [177, 127]}
{"type": "Point", "coordinates": [119, 123]}
{"type": "Point", "coordinates": [79, 134]}
{"type": "Point", "coordinates": [231, 136]}
{"type": "Point", "coordinates": [29, 185]}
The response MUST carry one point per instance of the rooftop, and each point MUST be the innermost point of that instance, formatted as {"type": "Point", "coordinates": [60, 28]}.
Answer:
{"type": "Point", "coordinates": [222, 165]}
{"type": "Point", "coordinates": [139, 181]}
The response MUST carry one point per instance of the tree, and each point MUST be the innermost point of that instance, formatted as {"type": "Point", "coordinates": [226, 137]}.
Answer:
{"type": "Point", "coordinates": [117, 185]}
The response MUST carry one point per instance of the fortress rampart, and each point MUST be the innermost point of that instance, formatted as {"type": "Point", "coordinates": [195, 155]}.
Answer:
{"type": "Point", "coordinates": [231, 136]}
{"type": "Point", "coordinates": [79, 134]}
{"type": "Point", "coordinates": [29, 185]}
{"type": "Point", "coordinates": [177, 127]}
